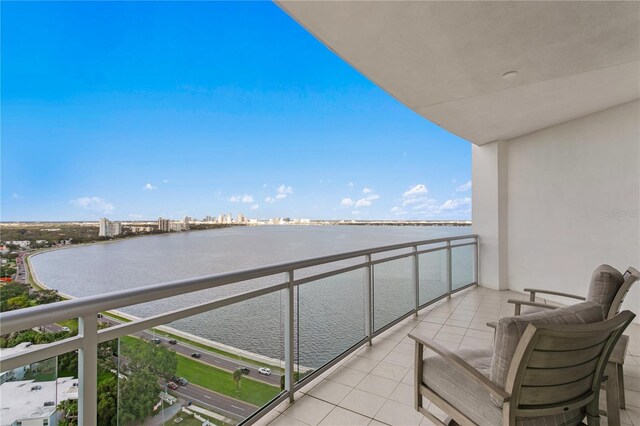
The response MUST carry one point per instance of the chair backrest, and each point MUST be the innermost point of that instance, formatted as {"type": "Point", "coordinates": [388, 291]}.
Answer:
{"type": "Point", "coordinates": [630, 277]}
{"type": "Point", "coordinates": [558, 368]}
{"type": "Point", "coordinates": [605, 283]}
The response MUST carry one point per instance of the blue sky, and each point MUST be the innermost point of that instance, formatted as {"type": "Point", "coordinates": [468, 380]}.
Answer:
{"type": "Point", "coordinates": [138, 110]}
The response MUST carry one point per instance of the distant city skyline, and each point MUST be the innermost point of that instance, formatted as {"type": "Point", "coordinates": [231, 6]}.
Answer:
{"type": "Point", "coordinates": [135, 111]}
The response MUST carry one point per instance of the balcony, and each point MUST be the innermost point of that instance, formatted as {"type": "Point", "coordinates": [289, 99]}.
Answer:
{"type": "Point", "coordinates": [362, 377]}
{"type": "Point", "coordinates": [376, 290]}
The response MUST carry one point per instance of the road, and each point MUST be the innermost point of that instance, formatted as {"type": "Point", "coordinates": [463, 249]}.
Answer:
{"type": "Point", "coordinates": [208, 399]}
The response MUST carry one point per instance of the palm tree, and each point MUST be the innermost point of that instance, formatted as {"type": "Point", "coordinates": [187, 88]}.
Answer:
{"type": "Point", "coordinates": [237, 377]}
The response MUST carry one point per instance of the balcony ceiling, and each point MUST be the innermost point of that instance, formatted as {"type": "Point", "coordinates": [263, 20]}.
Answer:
{"type": "Point", "coordinates": [446, 60]}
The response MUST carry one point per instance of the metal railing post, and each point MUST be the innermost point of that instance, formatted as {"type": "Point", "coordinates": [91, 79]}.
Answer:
{"type": "Point", "coordinates": [368, 300]}
{"type": "Point", "coordinates": [476, 264]}
{"type": "Point", "coordinates": [289, 340]}
{"type": "Point", "coordinates": [88, 370]}
{"type": "Point", "coordinates": [449, 274]}
{"type": "Point", "coordinates": [416, 279]}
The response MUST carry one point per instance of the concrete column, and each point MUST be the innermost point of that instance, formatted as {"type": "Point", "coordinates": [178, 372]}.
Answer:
{"type": "Point", "coordinates": [490, 214]}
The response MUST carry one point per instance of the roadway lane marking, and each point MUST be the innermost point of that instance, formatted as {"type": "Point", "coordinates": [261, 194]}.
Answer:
{"type": "Point", "coordinates": [236, 407]}
{"type": "Point", "coordinates": [207, 396]}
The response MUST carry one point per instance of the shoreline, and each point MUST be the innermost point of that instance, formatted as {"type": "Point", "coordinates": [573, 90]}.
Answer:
{"type": "Point", "coordinates": [185, 335]}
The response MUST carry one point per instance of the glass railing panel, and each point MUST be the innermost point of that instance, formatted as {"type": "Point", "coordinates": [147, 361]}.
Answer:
{"type": "Point", "coordinates": [433, 275]}
{"type": "Point", "coordinates": [222, 365]}
{"type": "Point", "coordinates": [330, 319]}
{"type": "Point", "coordinates": [393, 291]}
{"type": "Point", "coordinates": [462, 266]}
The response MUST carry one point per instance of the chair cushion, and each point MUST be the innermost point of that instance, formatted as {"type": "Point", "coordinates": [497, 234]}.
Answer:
{"type": "Point", "coordinates": [471, 398]}
{"type": "Point", "coordinates": [605, 283]}
{"type": "Point", "coordinates": [510, 330]}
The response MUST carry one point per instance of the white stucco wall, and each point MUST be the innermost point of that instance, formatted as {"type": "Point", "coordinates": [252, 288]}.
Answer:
{"type": "Point", "coordinates": [573, 196]}
{"type": "Point", "coordinates": [489, 210]}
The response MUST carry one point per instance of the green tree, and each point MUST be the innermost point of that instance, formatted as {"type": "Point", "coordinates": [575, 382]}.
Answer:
{"type": "Point", "coordinates": [138, 394]}
{"type": "Point", "coordinates": [69, 410]}
{"type": "Point", "coordinates": [108, 402]}
{"type": "Point", "coordinates": [237, 378]}
{"type": "Point", "coordinates": [19, 302]}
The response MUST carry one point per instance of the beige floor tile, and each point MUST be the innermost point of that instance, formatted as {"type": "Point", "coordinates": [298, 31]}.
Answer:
{"type": "Point", "coordinates": [347, 376]}
{"type": "Point", "coordinates": [376, 423]}
{"type": "Point", "coordinates": [309, 410]}
{"type": "Point", "coordinates": [362, 402]}
{"type": "Point", "coordinates": [284, 420]}
{"type": "Point", "coordinates": [341, 417]}
{"type": "Point", "coordinates": [458, 323]}
{"type": "Point", "coordinates": [390, 371]}
{"type": "Point", "coordinates": [374, 352]}
{"type": "Point", "coordinates": [403, 394]}
{"type": "Point", "coordinates": [397, 414]}
{"type": "Point", "coordinates": [377, 385]}
{"type": "Point", "coordinates": [403, 360]}
{"type": "Point", "coordinates": [405, 348]}
{"type": "Point", "coordinates": [361, 364]}
{"type": "Point", "coordinates": [331, 392]}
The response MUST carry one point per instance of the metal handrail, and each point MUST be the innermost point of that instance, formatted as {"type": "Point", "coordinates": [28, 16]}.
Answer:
{"type": "Point", "coordinates": [86, 309]}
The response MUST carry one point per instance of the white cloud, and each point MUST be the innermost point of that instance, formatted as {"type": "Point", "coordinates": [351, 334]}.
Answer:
{"type": "Point", "coordinates": [454, 180]}
{"type": "Point", "coordinates": [363, 203]}
{"type": "Point", "coordinates": [241, 199]}
{"type": "Point", "coordinates": [149, 187]}
{"type": "Point", "coordinates": [464, 187]}
{"type": "Point", "coordinates": [283, 189]}
{"type": "Point", "coordinates": [415, 190]}
{"type": "Point", "coordinates": [93, 203]}
{"type": "Point", "coordinates": [415, 194]}
{"type": "Point", "coordinates": [455, 204]}
{"type": "Point", "coordinates": [355, 212]}
{"type": "Point", "coordinates": [367, 190]}
{"type": "Point", "coordinates": [269, 200]}
{"type": "Point", "coordinates": [254, 207]}
{"type": "Point", "coordinates": [281, 196]}
{"type": "Point", "coordinates": [165, 181]}
{"type": "Point", "coordinates": [264, 185]}
{"type": "Point", "coordinates": [350, 184]}
{"type": "Point", "coordinates": [347, 202]}
{"type": "Point", "coordinates": [16, 196]}
{"type": "Point", "coordinates": [372, 197]}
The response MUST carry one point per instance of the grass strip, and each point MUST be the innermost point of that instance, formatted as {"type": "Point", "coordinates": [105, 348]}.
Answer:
{"type": "Point", "coordinates": [221, 381]}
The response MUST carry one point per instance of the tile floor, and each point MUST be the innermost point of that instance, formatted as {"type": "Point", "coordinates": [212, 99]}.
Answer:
{"type": "Point", "coordinates": [374, 386]}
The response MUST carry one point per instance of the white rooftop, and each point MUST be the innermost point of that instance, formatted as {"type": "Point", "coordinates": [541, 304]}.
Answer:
{"type": "Point", "coordinates": [21, 400]}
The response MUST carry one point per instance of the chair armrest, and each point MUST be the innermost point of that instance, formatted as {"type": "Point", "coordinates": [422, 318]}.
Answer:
{"type": "Point", "coordinates": [519, 304]}
{"type": "Point", "coordinates": [533, 292]}
{"type": "Point", "coordinates": [464, 366]}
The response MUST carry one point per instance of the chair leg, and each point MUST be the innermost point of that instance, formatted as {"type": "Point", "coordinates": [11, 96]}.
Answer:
{"type": "Point", "coordinates": [593, 415]}
{"type": "Point", "coordinates": [611, 389]}
{"type": "Point", "coordinates": [620, 374]}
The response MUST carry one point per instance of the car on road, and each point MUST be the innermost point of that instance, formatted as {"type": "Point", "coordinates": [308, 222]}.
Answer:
{"type": "Point", "coordinates": [173, 341]}
{"type": "Point", "coordinates": [265, 371]}
{"type": "Point", "coordinates": [245, 370]}
{"type": "Point", "coordinates": [181, 381]}
{"type": "Point", "coordinates": [65, 329]}
{"type": "Point", "coordinates": [156, 340]}
{"type": "Point", "coordinates": [172, 385]}
{"type": "Point", "coordinates": [195, 355]}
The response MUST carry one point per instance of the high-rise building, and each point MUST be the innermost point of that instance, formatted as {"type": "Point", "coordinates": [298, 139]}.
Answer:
{"type": "Point", "coordinates": [104, 228]}
{"type": "Point", "coordinates": [241, 218]}
{"type": "Point", "coordinates": [220, 220]}
{"type": "Point", "coordinates": [163, 224]}
{"type": "Point", "coordinates": [109, 229]}
{"type": "Point", "coordinates": [186, 222]}
{"type": "Point", "coordinates": [116, 228]}
{"type": "Point", "coordinates": [228, 218]}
